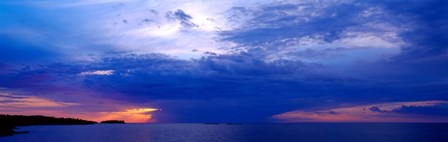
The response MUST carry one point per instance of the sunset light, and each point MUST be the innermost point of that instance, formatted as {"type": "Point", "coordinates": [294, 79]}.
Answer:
{"type": "Point", "coordinates": [224, 70]}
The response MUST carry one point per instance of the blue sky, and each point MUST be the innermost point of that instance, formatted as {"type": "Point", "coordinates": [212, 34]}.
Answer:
{"type": "Point", "coordinates": [226, 61]}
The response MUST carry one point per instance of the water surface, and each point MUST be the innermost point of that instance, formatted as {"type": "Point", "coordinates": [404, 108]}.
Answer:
{"type": "Point", "coordinates": [234, 133]}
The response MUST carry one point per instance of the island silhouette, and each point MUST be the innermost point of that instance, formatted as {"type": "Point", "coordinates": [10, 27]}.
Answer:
{"type": "Point", "coordinates": [113, 122]}
{"type": "Point", "coordinates": [8, 123]}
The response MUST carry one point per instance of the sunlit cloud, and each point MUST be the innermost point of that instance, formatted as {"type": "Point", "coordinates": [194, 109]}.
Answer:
{"type": "Point", "coordinates": [9, 101]}
{"type": "Point", "coordinates": [89, 108]}
{"type": "Point", "coordinates": [384, 112]}
{"type": "Point", "coordinates": [139, 115]}
{"type": "Point", "coordinates": [98, 72]}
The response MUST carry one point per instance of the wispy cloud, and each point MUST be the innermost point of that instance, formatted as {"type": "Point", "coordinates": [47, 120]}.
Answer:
{"type": "Point", "coordinates": [384, 112]}
{"type": "Point", "coordinates": [10, 101]}
{"type": "Point", "coordinates": [98, 72]}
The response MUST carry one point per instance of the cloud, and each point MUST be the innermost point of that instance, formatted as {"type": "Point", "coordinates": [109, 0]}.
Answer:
{"type": "Point", "coordinates": [9, 101]}
{"type": "Point", "coordinates": [419, 110]}
{"type": "Point", "coordinates": [385, 112]}
{"type": "Point", "coordinates": [138, 115]}
{"type": "Point", "coordinates": [98, 72]}
{"type": "Point", "coordinates": [182, 17]}
{"type": "Point", "coordinates": [230, 84]}
{"type": "Point", "coordinates": [426, 36]}
{"type": "Point", "coordinates": [217, 60]}
{"type": "Point", "coordinates": [280, 29]}
{"type": "Point", "coordinates": [15, 101]}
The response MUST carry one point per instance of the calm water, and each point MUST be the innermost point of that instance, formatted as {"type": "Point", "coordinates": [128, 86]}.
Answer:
{"type": "Point", "coordinates": [235, 133]}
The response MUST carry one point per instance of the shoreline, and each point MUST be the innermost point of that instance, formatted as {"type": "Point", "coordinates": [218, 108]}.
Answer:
{"type": "Point", "coordinates": [13, 121]}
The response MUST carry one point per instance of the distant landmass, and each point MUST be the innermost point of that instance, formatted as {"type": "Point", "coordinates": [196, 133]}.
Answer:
{"type": "Point", "coordinates": [209, 123]}
{"type": "Point", "coordinates": [9, 122]}
{"type": "Point", "coordinates": [113, 122]}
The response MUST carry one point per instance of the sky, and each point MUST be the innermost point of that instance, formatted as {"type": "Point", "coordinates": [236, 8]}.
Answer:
{"type": "Point", "coordinates": [255, 61]}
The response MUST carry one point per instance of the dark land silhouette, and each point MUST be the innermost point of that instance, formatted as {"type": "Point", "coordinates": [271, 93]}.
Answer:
{"type": "Point", "coordinates": [113, 122]}
{"type": "Point", "coordinates": [9, 122]}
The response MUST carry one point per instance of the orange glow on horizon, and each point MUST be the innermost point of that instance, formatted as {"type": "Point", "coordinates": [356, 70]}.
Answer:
{"type": "Point", "coordinates": [19, 101]}
{"type": "Point", "coordinates": [34, 105]}
{"type": "Point", "coordinates": [362, 113]}
{"type": "Point", "coordinates": [139, 115]}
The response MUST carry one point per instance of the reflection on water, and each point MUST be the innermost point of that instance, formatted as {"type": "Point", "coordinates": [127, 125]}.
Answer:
{"type": "Point", "coordinates": [234, 133]}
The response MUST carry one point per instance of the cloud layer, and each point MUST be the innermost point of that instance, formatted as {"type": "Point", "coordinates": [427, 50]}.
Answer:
{"type": "Point", "coordinates": [232, 61]}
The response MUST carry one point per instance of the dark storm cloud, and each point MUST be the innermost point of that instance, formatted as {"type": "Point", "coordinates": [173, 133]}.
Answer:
{"type": "Point", "coordinates": [428, 36]}
{"type": "Point", "coordinates": [215, 87]}
{"type": "Point", "coordinates": [214, 76]}
{"type": "Point", "coordinates": [433, 110]}
{"type": "Point", "coordinates": [439, 110]}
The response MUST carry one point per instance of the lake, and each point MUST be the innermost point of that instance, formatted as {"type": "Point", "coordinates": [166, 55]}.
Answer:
{"type": "Point", "coordinates": [304, 132]}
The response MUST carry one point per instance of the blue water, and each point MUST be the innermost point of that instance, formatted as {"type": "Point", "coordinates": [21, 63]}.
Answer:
{"type": "Point", "coordinates": [234, 133]}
